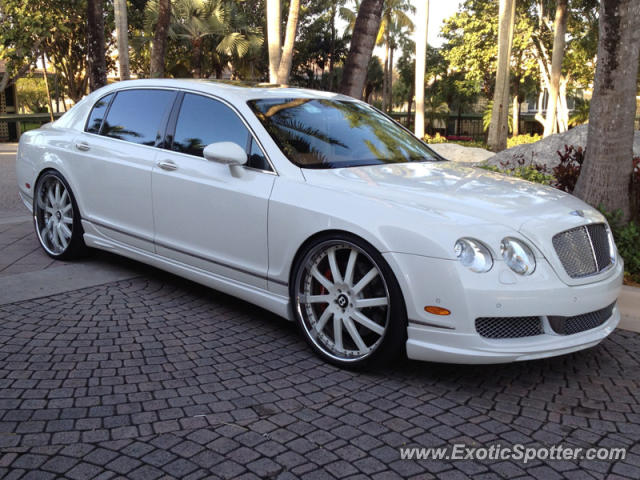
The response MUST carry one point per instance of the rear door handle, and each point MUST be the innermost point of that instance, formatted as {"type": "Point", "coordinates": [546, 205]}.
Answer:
{"type": "Point", "coordinates": [82, 146]}
{"type": "Point", "coordinates": [167, 165]}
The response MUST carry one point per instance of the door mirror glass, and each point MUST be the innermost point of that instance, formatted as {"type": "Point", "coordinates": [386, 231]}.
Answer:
{"type": "Point", "coordinates": [229, 153]}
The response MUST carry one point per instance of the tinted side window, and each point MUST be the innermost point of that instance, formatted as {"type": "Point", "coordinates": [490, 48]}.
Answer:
{"type": "Point", "coordinates": [97, 114]}
{"type": "Point", "coordinates": [203, 121]}
{"type": "Point", "coordinates": [136, 115]}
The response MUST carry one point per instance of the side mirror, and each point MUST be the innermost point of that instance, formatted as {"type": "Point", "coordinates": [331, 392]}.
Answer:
{"type": "Point", "coordinates": [229, 153]}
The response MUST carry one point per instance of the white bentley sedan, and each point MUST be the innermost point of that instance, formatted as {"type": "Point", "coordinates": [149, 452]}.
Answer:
{"type": "Point", "coordinates": [321, 209]}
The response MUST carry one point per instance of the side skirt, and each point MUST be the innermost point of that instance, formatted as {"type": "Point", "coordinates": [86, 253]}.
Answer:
{"type": "Point", "coordinates": [277, 304]}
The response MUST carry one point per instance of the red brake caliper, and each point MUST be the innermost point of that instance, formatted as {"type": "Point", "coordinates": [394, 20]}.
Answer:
{"type": "Point", "coordinates": [324, 291]}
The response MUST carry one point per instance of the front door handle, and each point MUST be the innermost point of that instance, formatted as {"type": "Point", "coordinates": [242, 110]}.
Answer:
{"type": "Point", "coordinates": [167, 165]}
{"type": "Point", "coordinates": [82, 146]}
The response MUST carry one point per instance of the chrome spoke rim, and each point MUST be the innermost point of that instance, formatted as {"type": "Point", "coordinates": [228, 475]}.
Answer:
{"type": "Point", "coordinates": [343, 300]}
{"type": "Point", "coordinates": [53, 215]}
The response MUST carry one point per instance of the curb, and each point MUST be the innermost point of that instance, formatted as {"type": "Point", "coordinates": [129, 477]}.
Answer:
{"type": "Point", "coordinates": [629, 305]}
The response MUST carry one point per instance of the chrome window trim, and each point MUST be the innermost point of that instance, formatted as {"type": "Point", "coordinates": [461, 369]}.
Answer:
{"type": "Point", "coordinates": [242, 119]}
{"type": "Point", "coordinates": [197, 92]}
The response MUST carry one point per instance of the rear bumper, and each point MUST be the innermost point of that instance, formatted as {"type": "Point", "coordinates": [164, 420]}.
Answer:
{"type": "Point", "coordinates": [498, 293]}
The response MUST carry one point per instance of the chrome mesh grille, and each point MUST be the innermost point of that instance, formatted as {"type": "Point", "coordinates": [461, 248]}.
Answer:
{"type": "Point", "coordinates": [583, 250]}
{"type": "Point", "coordinates": [512, 327]}
{"type": "Point", "coordinates": [600, 241]}
{"type": "Point", "coordinates": [581, 323]}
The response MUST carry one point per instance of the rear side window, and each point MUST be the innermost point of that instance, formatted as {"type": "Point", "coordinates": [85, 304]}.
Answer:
{"type": "Point", "coordinates": [97, 114]}
{"type": "Point", "coordinates": [203, 121]}
{"type": "Point", "coordinates": [137, 115]}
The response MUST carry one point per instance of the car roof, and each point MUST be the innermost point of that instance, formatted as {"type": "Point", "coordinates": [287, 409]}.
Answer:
{"type": "Point", "coordinates": [239, 91]}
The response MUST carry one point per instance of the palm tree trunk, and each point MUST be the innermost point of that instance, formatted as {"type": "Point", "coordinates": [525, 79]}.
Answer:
{"type": "Point", "coordinates": [362, 42]}
{"type": "Point", "coordinates": [608, 164]}
{"type": "Point", "coordinates": [560, 28]}
{"type": "Point", "coordinates": [332, 45]}
{"type": "Point", "coordinates": [385, 75]}
{"type": "Point", "coordinates": [95, 45]}
{"type": "Point", "coordinates": [499, 128]}
{"type": "Point", "coordinates": [196, 58]}
{"type": "Point", "coordinates": [390, 82]}
{"type": "Point", "coordinates": [160, 34]}
{"type": "Point", "coordinates": [563, 107]}
{"type": "Point", "coordinates": [46, 85]}
{"type": "Point", "coordinates": [122, 32]}
{"type": "Point", "coordinates": [286, 59]}
{"type": "Point", "coordinates": [516, 105]}
{"type": "Point", "coordinates": [273, 38]}
{"type": "Point", "coordinates": [516, 114]}
{"type": "Point", "coordinates": [422, 23]}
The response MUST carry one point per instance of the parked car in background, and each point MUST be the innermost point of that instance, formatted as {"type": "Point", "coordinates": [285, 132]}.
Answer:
{"type": "Point", "coordinates": [323, 210]}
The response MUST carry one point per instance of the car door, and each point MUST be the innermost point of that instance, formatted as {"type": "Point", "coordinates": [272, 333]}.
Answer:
{"type": "Point", "coordinates": [113, 160]}
{"type": "Point", "coordinates": [209, 215]}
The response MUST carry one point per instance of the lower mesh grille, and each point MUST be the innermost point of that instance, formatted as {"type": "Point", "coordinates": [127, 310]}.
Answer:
{"type": "Point", "coordinates": [581, 323]}
{"type": "Point", "coordinates": [512, 327]}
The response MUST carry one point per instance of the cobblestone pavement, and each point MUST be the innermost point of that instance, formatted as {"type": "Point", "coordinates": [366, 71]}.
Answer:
{"type": "Point", "coordinates": [21, 251]}
{"type": "Point", "coordinates": [156, 377]}
{"type": "Point", "coordinates": [10, 204]}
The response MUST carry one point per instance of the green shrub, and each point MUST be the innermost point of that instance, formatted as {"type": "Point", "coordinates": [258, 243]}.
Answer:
{"type": "Point", "coordinates": [522, 140]}
{"type": "Point", "coordinates": [32, 94]}
{"type": "Point", "coordinates": [437, 138]}
{"type": "Point", "coordinates": [528, 172]}
{"type": "Point", "coordinates": [627, 237]}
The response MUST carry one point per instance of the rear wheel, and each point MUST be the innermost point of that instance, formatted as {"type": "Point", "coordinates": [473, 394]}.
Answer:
{"type": "Point", "coordinates": [56, 217]}
{"type": "Point", "coordinates": [348, 303]}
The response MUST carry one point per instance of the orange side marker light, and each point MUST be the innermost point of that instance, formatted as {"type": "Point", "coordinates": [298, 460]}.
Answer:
{"type": "Point", "coordinates": [436, 310]}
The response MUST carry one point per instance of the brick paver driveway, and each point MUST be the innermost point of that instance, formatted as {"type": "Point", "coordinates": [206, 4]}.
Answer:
{"type": "Point", "coordinates": [156, 377]}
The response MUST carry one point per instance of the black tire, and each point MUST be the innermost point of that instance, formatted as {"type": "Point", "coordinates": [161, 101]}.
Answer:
{"type": "Point", "coordinates": [390, 344]}
{"type": "Point", "coordinates": [75, 248]}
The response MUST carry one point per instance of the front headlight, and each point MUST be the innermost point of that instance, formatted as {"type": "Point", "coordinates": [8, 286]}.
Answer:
{"type": "Point", "coordinates": [518, 256]}
{"type": "Point", "coordinates": [473, 255]}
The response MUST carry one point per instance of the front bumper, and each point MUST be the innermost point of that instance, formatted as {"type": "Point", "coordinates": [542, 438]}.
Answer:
{"type": "Point", "coordinates": [498, 293]}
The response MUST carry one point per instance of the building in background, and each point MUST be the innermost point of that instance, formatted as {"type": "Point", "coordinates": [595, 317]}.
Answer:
{"type": "Point", "coordinates": [7, 105]}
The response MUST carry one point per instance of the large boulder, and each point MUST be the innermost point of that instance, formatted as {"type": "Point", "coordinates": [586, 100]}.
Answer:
{"type": "Point", "coordinates": [462, 154]}
{"type": "Point", "coordinates": [545, 151]}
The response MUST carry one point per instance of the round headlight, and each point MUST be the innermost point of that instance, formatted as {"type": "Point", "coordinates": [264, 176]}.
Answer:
{"type": "Point", "coordinates": [518, 256]}
{"type": "Point", "coordinates": [473, 255]}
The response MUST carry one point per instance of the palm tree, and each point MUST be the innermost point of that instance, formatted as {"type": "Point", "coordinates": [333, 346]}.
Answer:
{"type": "Point", "coordinates": [160, 34]}
{"type": "Point", "coordinates": [394, 20]}
{"type": "Point", "coordinates": [364, 36]}
{"type": "Point", "coordinates": [273, 38]}
{"type": "Point", "coordinates": [349, 15]}
{"type": "Point", "coordinates": [499, 130]}
{"type": "Point", "coordinates": [122, 31]}
{"type": "Point", "coordinates": [608, 163]}
{"type": "Point", "coordinates": [193, 21]}
{"type": "Point", "coordinates": [95, 45]}
{"type": "Point", "coordinates": [287, 51]}
{"type": "Point", "coordinates": [435, 109]}
{"type": "Point", "coordinates": [422, 21]}
{"type": "Point", "coordinates": [560, 30]}
{"type": "Point", "coordinates": [374, 78]}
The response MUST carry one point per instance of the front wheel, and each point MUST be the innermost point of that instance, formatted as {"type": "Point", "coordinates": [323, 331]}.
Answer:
{"type": "Point", "coordinates": [348, 303]}
{"type": "Point", "coordinates": [56, 218]}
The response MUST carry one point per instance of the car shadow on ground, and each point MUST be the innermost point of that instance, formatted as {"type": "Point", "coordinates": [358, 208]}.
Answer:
{"type": "Point", "coordinates": [611, 355]}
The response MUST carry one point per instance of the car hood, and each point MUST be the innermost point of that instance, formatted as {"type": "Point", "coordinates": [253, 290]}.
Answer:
{"type": "Point", "coordinates": [455, 191]}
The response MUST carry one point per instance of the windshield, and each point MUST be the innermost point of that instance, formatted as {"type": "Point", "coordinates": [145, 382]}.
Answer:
{"type": "Point", "coordinates": [319, 133]}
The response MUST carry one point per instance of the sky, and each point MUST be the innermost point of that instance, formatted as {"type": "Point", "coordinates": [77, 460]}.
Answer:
{"type": "Point", "coordinates": [438, 11]}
